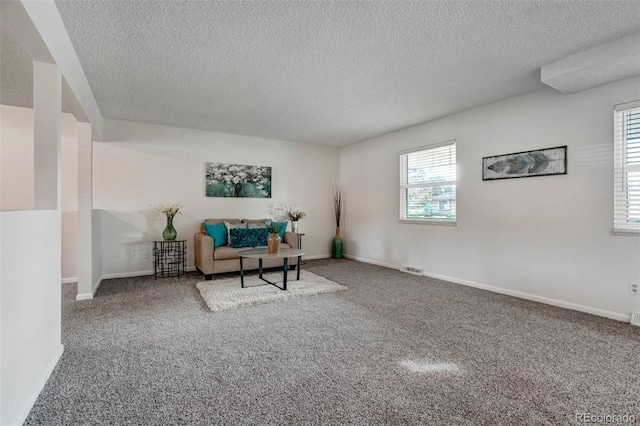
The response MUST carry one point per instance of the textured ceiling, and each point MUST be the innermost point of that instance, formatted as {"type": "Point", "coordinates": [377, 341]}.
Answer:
{"type": "Point", "coordinates": [16, 72]}
{"type": "Point", "coordinates": [324, 72]}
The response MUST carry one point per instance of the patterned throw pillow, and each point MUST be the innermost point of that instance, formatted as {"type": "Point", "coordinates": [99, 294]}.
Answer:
{"type": "Point", "coordinates": [231, 226]}
{"type": "Point", "coordinates": [248, 237]}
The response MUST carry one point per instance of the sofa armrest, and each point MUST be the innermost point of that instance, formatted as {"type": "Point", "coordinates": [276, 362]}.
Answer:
{"type": "Point", "coordinates": [291, 238]}
{"type": "Point", "coordinates": [203, 248]}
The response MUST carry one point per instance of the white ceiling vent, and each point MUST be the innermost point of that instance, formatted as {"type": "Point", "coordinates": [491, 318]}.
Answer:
{"type": "Point", "coordinates": [604, 64]}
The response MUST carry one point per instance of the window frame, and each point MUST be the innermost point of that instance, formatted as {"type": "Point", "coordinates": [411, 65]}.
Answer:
{"type": "Point", "coordinates": [621, 168]}
{"type": "Point", "coordinates": [404, 185]}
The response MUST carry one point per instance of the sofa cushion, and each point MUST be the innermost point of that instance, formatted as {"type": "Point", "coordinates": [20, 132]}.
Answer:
{"type": "Point", "coordinates": [231, 226]}
{"type": "Point", "coordinates": [230, 253]}
{"type": "Point", "coordinates": [249, 237]}
{"type": "Point", "coordinates": [226, 253]}
{"type": "Point", "coordinates": [218, 232]}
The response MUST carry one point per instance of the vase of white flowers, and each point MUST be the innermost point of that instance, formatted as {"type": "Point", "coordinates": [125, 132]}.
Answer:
{"type": "Point", "coordinates": [170, 211]}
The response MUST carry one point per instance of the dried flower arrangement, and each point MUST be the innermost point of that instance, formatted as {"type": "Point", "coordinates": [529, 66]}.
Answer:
{"type": "Point", "coordinates": [293, 215]}
{"type": "Point", "coordinates": [338, 200]}
{"type": "Point", "coordinates": [169, 210]}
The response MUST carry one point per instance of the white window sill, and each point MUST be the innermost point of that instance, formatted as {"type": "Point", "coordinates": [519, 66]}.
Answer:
{"type": "Point", "coordinates": [428, 222]}
{"type": "Point", "coordinates": [626, 232]}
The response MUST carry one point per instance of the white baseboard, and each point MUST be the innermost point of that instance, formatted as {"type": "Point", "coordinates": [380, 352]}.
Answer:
{"type": "Point", "coordinates": [316, 257]}
{"type": "Point", "coordinates": [138, 273]}
{"type": "Point", "coordinates": [69, 280]}
{"type": "Point", "coordinates": [514, 293]}
{"type": "Point", "coordinates": [96, 286]}
{"type": "Point", "coordinates": [127, 274]}
{"type": "Point", "coordinates": [535, 298]}
{"type": "Point", "coordinates": [22, 415]}
{"type": "Point", "coordinates": [84, 296]}
{"type": "Point", "coordinates": [87, 296]}
{"type": "Point", "coordinates": [373, 262]}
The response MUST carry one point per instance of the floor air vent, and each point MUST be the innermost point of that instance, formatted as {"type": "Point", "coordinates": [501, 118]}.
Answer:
{"type": "Point", "coordinates": [412, 270]}
{"type": "Point", "coordinates": [635, 318]}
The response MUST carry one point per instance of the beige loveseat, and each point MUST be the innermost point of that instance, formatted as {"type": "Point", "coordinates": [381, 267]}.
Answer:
{"type": "Point", "coordinates": [222, 259]}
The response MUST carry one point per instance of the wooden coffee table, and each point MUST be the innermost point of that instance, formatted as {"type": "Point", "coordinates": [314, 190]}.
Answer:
{"type": "Point", "coordinates": [263, 253]}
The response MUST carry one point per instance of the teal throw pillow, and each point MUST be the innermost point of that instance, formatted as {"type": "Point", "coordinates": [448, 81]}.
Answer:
{"type": "Point", "coordinates": [248, 237]}
{"type": "Point", "coordinates": [218, 232]}
{"type": "Point", "coordinates": [283, 228]}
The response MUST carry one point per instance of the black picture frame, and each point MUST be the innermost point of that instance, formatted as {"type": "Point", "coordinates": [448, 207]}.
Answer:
{"type": "Point", "coordinates": [537, 162]}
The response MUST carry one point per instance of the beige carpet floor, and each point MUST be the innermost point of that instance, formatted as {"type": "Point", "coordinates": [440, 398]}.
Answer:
{"type": "Point", "coordinates": [395, 349]}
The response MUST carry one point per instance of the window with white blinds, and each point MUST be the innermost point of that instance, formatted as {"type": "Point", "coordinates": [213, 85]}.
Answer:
{"type": "Point", "coordinates": [428, 184]}
{"type": "Point", "coordinates": [626, 209]}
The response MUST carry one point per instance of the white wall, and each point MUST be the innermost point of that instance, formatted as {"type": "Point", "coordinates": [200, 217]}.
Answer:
{"type": "Point", "coordinates": [141, 165]}
{"type": "Point", "coordinates": [30, 307]}
{"type": "Point", "coordinates": [17, 170]}
{"type": "Point", "coordinates": [16, 161]}
{"type": "Point", "coordinates": [96, 249]}
{"type": "Point", "coordinates": [89, 228]}
{"type": "Point", "coordinates": [69, 198]}
{"type": "Point", "coordinates": [544, 237]}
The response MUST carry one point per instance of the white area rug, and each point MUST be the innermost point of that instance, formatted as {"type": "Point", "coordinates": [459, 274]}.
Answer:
{"type": "Point", "coordinates": [226, 294]}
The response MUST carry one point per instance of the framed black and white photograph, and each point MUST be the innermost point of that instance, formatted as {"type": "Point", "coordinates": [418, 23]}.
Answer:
{"type": "Point", "coordinates": [237, 180]}
{"type": "Point", "coordinates": [540, 162]}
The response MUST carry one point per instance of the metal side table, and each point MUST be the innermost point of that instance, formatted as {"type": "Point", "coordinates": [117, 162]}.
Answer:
{"type": "Point", "coordinates": [169, 258]}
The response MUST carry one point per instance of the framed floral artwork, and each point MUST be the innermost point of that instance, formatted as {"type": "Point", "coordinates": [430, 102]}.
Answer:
{"type": "Point", "coordinates": [237, 180]}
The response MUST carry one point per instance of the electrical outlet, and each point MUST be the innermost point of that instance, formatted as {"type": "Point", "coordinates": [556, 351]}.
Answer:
{"type": "Point", "coordinates": [634, 288]}
{"type": "Point", "coordinates": [144, 253]}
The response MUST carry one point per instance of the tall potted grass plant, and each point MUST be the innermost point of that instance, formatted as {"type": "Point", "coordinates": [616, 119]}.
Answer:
{"type": "Point", "coordinates": [338, 202]}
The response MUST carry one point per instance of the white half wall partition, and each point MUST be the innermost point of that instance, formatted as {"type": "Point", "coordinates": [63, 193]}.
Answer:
{"type": "Point", "coordinates": [30, 248]}
{"type": "Point", "coordinates": [30, 240]}
{"type": "Point", "coordinates": [30, 330]}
